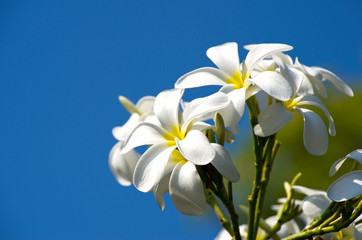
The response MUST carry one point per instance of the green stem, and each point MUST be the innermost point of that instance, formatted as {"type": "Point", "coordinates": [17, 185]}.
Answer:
{"type": "Point", "coordinates": [227, 200]}
{"type": "Point", "coordinates": [259, 142]}
{"type": "Point", "coordinates": [270, 150]}
{"type": "Point", "coordinates": [219, 213]}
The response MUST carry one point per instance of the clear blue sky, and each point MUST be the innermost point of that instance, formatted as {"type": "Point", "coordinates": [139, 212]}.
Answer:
{"type": "Point", "coordinates": [63, 65]}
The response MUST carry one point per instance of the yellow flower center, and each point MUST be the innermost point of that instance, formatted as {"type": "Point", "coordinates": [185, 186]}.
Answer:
{"type": "Point", "coordinates": [237, 80]}
{"type": "Point", "coordinates": [177, 157]}
{"type": "Point", "coordinates": [289, 105]}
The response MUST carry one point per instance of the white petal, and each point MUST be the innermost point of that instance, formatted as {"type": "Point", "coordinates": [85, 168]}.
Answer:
{"type": "Point", "coordinates": [308, 191]}
{"type": "Point", "coordinates": [260, 51]}
{"type": "Point", "coordinates": [273, 84]}
{"type": "Point", "coordinates": [225, 57]}
{"type": "Point", "coordinates": [186, 190]}
{"type": "Point", "coordinates": [202, 77]}
{"type": "Point", "coordinates": [357, 231]}
{"type": "Point", "coordinates": [336, 165]}
{"type": "Point", "coordinates": [223, 235]}
{"type": "Point", "coordinates": [315, 136]}
{"type": "Point", "coordinates": [204, 108]}
{"type": "Point", "coordinates": [318, 85]}
{"type": "Point", "coordinates": [314, 205]}
{"type": "Point", "coordinates": [356, 155]}
{"type": "Point", "coordinates": [224, 163]}
{"type": "Point", "coordinates": [145, 134]}
{"type": "Point", "coordinates": [292, 75]}
{"type": "Point", "coordinates": [151, 167]}
{"type": "Point", "coordinates": [273, 118]}
{"type": "Point", "coordinates": [335, 80]}
{"type": "Point", "coordinates": [122, 165]}
{"type": "Point", "coordinates": [196, 148]}
{"type": "Point", "coordinates": [234, 112]}
{"type": "Point", "coordinates": [312, 77]}
{"type": "Point", "coordinates": [305, 87]}
{"type": "Point", "coordinates": [346, 187]}
{"type": "Point", "coordinates": [161, 189]}
{"type": "Point", "coordinates": [145, 105]}
{"type": "Point", "coordinates": [167, 108]}
{"type": "Point", "coordinates": [314, 101]}
{"type": "Point", "coordinates": [122, 133]}
{"type": "Point", "coordinates": [287, 228]}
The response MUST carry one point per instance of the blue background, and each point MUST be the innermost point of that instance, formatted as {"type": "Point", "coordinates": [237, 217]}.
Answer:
{"type": "Point", "coordinates": [63, 65]}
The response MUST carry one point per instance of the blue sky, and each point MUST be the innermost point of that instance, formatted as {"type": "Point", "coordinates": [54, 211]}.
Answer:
{"type": "Point", "coordinates": [63, 65]}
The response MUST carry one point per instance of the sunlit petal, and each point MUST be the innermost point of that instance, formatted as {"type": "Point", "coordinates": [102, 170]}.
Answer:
{"type": "Point", "coordinates": [346, 187]}
{"type": "Point", "coordinates": [161, 189]}
{"type": "Point", "coordinates": [233, 113]}
{"type": "Point", "coordinates": [314, 101]}
{"type": "Point", "coordinates": [356, 155]}
{"type": "Point", "coordinates": [225, 57]}
{"type": "Point", "coordinates": [273, 118]}
{"type": "Point", "coordinates": [202, 77]}
{"type": "Point", "coordinates": [292, 75]}
{"type": "Point", "coordinates": [260, 51]}
{"type": "Point", "coordinates": [196, 148]}
{"type": "Point", "coordinates": [315, 136]}
{"type": "Point", "coordinates": [307, 191]}
{"type": "Point", "coordinates": [335, 80]}
{"type": "Point", "coordinates": [204, 108]}
{"type": "Point", "coordinates": [273, 84]}
{"type": "Point", "coordinates": [145, 134]}
{"type": "Point", "coordinates": [145, 105]}
{"type": "Point", "coordinates": [167, 108]}
{"type": "Point", "coordinates": [314, 205]}
{"type": "Point", "coordinates": [224, 163]}
{"type": "Point", "coordinates": [123, 132]}
{"type": "Point", "coordinates": [151, 167]}
{"type": "Point", "coordinates": [122, 165]}
{"type": "Point", "coordinates": [186, 190]}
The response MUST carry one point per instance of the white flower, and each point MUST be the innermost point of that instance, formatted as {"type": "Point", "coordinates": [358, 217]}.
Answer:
{"type": "Point", "coordinates": [122, 165]}
{"type": "Point", "coordinates": [237, 81]}
{"type": "Point", "coordinates": [315, 137]}
{"type": "Point", "coordinates": [350, 184]}
{"type": "Point", "coordinates": [178, 145]}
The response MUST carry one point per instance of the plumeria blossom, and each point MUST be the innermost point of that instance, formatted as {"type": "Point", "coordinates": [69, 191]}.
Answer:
{"type": "Point", "coordinates": [177, 145]}
{"type": "Point", "coordinates": [122, 165]}
{"type": "Point", "coordinates": [237, 80]}
{"type": "Point", "coordinates": [275, 116]}
{"type": "Point", "coordinates": [349, 185]}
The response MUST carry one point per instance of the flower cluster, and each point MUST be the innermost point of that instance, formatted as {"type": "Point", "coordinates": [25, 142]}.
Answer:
{"type": "Point", "coordinates": [185, 153]}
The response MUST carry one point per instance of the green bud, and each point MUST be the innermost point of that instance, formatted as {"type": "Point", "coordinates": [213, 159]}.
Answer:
{"type": "Point", "coordinates": [128, 105]}
{"type": "Point", "coordinates": [220, 128]}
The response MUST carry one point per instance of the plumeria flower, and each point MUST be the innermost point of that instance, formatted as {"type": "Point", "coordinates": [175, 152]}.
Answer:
{"type": "Point", "coordinates": [122, 165]}
{"type": "Point", "coordinates": [177, 145]}
{"type": "Point", "coordinates": [275, 116]}
{"type": "Point", "coordinates": [349, 185]}
{"type": "Point", "coordinates": [237, 81]}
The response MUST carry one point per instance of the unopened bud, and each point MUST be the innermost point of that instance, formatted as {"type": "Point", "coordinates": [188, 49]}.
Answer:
{"type": "Point", "coordinates": [128, 105]}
